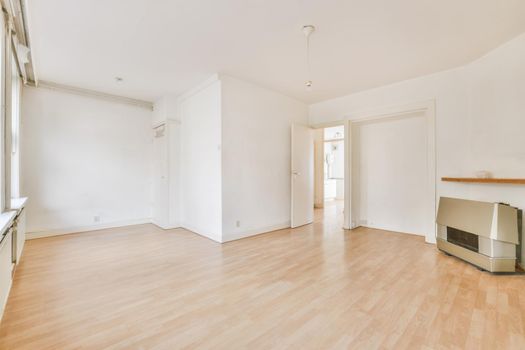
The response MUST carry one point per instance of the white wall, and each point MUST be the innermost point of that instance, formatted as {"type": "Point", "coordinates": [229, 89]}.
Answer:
{"type": "Point", "coordinates": [167, 191]}
{"type": "Point", "coordinates": [256, 127]}
{"type": "Point", "coordinates": [84, 157]}
{"type": "Point", "coordinates": [201, 205]}
{"type": "Point", "coordinates": [334, 132]}
{"type": "Point", "coordinates": [390, 178]}
{"type": "Point", "coordinates": [340, 189]}
{"type": "Point", "coordinates": [174, 171]}
{"type": "Point", "coordinates": [161, 178]}
{"type": "Point", "coordinates": [337, 167]}
{"type": "Point", "coordinates": [234, 158]}
{"type": "Point", "coordinates": [479, 119]}
{"type": "Point", "coordinates": [496, 120]}
{"type": "Point", "coordinates": [334, 181]}
{"type": "Point", "coordinates": [165, 108]}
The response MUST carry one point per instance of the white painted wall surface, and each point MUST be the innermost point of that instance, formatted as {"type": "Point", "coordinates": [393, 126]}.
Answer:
{"type": "Point", "coordinates": [390, 174]}
{"type": "Point", "coordinates": [334, 132]}
{"type": "Point", "coordinates": [335, 151]}
{"type": "Point", "coordinates": [82, 158]}
{"type": "Point", "coordinates": [256, 126]}
{"type": "Point", "coordinates": [479, 119]}
{"type": "Point", "coordinates": [164, 109]}
{"type": "Point", "coordinates": [496, 121]}
{"type": "Point", "coordinates": [175, 173]}
{"type": "Point", "coordinates": [330, 189]}
{"type": "Point", "coordinates": [167, 191]}
{"type": "Point", "coordinates": [166, 211]}
{"type": "Point", "coordinates": [335, 173]}
{"type": "Point", "coordinates": [161, 179]}
{"type": "Point", "coordinates": [200, 113]}
{"type": "Point", "coordinates": [340, 189]}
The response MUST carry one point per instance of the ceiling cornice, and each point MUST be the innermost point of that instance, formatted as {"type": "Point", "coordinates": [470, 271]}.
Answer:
{"type": "Point", "coordinates": [94, 94]}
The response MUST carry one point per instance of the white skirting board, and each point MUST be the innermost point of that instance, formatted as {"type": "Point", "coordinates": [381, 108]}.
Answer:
{"type": "Point", "coordinates": [386, 229]}
{"type": "Point", "coordinates": [237, 235]}
{"type": "Point", "coordinates": [256, 231]}
{"type": "Point", "coordinates": [201, 232]}
{"type": "Point", "coordinates": [166, 227]}
{"type": "Point", "coordinates": [78, 229]}
{"type": "Point", "coordinates": [196, 230]}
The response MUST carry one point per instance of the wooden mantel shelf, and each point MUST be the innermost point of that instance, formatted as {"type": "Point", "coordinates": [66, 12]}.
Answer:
{"type": "Point", "coordinates": [484, 181]}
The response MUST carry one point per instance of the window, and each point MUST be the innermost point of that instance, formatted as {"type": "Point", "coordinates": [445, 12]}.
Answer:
{"type": "Point", "coordinates": [3, 49]}
{"type": "Point", "coordinates": [10, 92]}
{"type": "Point", "coordinates": [15, 129]}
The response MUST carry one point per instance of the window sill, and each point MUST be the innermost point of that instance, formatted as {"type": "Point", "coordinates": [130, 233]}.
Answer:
{"type": "Point", "coordinates": [18, 203]}
{"type": "Point", "coordinates": [6, 220]}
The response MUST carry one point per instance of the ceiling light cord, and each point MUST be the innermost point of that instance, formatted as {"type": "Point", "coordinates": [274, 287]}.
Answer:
{"type": "Point", "coordinates": [308, 71]}
{"type": "Point", "coordinates": [307, 31]}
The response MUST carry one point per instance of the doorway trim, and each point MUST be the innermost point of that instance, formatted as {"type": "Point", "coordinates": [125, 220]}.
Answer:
{"type": "Point", "coordinates": [388, 113]}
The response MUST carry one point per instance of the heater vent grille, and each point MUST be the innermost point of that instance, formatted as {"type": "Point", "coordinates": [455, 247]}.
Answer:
{"type": "Point", "coordinates": [464, 239]}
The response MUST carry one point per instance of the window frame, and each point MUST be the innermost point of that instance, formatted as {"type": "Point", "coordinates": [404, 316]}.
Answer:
{"type": "Point", "coordinates": [10, 80]}
{"type": "Point", "coordinates": [3, 168]}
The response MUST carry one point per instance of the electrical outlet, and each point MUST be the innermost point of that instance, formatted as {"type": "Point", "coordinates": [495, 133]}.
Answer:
{"type": "Point", "coordinates": [96, 218]}
{"type": "Point", "coordinates": [238, 223]}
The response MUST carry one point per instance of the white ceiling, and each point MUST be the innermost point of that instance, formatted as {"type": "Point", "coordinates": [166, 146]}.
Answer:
{"type": "Point", "coordinates": [165, 47]}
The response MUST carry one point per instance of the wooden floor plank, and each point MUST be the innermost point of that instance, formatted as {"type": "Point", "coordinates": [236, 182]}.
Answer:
{"type": "Point", "coordinates": [315, 287]}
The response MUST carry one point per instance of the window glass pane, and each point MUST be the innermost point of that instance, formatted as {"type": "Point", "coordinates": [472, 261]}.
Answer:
{"type": "Point", "coordinates": [3, 116]}
{"type": "Point", "coordinates": [15, 130]}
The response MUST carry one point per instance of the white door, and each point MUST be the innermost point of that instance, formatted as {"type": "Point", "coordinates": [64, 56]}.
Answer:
{"type": "Point", "coordinates": [302, 175]}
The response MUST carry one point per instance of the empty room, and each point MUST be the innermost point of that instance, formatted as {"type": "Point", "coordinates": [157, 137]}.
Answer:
{"type": "Point", "coordinates": [262, 174]}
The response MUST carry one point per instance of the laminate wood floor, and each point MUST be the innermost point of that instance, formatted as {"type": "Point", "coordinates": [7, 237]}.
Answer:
{"type": "Point", "coordinates": [315, 287]}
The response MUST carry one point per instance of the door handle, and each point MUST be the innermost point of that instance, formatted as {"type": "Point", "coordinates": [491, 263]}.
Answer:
{"type": "Point", "coordinates": [296, 173]}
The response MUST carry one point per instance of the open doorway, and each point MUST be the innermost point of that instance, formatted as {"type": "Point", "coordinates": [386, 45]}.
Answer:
{"type": "Point", "coordinates": [330, 170]}
{"type": "Point", "coordinates": [390, 173]}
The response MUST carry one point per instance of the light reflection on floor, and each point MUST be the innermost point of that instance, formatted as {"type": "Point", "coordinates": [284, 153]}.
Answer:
{"type": "Point", "coordinates": [331, 216]}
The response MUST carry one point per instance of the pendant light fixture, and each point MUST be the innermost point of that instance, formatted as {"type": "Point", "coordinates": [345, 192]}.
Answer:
{"type": "Point", "coordinates": [307, 31]}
